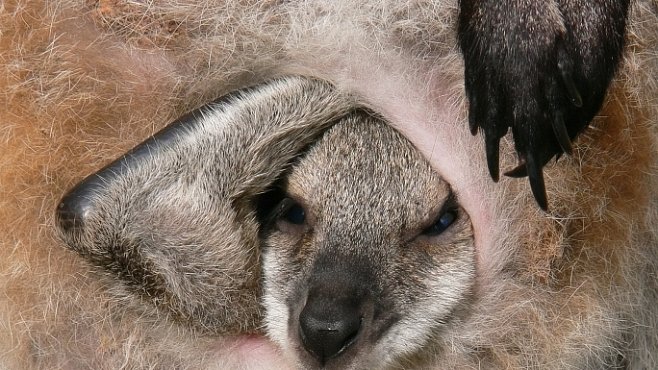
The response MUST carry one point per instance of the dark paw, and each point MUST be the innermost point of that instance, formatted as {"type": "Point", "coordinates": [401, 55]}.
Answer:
{"type": "Point", "coordinates": [545, 78]}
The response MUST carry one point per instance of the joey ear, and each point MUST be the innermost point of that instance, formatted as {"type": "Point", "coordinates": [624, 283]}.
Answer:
{"type": "Point", "coordinates": [173, 221]}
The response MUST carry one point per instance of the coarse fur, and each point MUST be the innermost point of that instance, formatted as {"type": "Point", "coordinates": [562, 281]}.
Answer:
{"type": "Point", "coordinates": [84, 81]}
{"type": "Point", "coordinates": [207, 169]}
{"type": "Point", "coordinates": [368, 256]}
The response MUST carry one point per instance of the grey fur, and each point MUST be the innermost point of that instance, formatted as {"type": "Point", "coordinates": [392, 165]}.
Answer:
{"type": "Point", "coordinates": [369, 198]}
{"type": "Point", "coordinates": [173, 219]}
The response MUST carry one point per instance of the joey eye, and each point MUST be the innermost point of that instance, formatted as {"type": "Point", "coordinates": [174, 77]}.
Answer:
{"type": "Point", "coordinates": [444, 221]}
{"type": "Point", "coordinates": [292, 212]}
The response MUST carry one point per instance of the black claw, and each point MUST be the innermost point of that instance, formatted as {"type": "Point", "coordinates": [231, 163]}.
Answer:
{"type": "Point", "coordinates": [570, 85]}
{"type": "Point", "coordinates": [472, 124]}
{"type": "Point", "coordinates": [517, 172]}
{"type": "Point", "coordinates": [492, 148]}
{"type": "Point", "coordinates": [536, 177]}
{"type": "Point", "coordinates": [561, 134]}
{"type": "Point", "coordinates": [472, 114]}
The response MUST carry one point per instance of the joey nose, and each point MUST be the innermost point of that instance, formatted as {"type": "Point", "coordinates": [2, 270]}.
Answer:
{"type": "Point", "coordinates": [328, 327]}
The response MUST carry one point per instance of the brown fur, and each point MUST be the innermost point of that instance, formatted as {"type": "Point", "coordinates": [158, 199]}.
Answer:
{"type": "Point", "coordinates": [371, 257]}
{"type": "Point", "coordinates": [83, 81]}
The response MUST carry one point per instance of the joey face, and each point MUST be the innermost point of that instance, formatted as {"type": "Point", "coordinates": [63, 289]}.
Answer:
{"type": "Point", "coordinates": [368, 254]}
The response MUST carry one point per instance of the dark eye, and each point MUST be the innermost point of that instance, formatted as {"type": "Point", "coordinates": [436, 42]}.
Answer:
{"type": "Point", "coordinates": [441, 224]}
{"type": "Point", "coordinates": [292, 212]}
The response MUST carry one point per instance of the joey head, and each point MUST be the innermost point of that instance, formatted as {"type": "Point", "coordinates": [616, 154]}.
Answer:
{"type": "Point", "coordinates": [368, 253]}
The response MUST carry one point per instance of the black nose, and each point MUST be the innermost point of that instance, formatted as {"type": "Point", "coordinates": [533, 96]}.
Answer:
{"type": "Point", "coordinates": [328, 327]}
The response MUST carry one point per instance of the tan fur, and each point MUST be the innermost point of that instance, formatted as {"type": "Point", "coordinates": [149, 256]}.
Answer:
{"type": "Point", "coordinates": [363, 256]}
{"type": "Point", "coordinates": [83, 81]}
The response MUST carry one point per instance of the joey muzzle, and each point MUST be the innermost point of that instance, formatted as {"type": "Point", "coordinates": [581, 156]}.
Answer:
{"type": "Point", "coordinates": [328, 326]}
{"type": "Point", "coordinates": [337, 314]}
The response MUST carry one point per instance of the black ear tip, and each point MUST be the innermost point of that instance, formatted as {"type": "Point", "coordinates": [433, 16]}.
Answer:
{"type": "Point", "coordinates": [74, 209]}
{"type": "Point", "coordinates": [70, 214]}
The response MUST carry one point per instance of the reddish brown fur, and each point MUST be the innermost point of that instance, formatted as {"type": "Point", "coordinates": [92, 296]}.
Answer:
{"type": "Point", "coordinates": [83, 81]}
